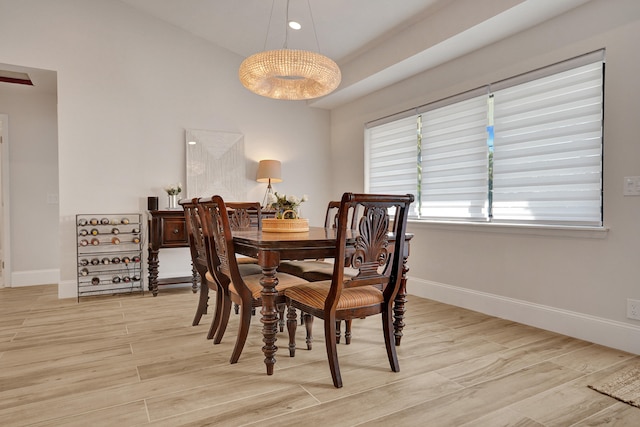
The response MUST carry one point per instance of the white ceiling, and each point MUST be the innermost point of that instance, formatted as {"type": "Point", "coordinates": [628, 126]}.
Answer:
{"type": "Point", "coordinates": [375, 42]}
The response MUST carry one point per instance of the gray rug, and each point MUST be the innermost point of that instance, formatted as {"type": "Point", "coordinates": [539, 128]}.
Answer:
{"type": "Point", "coordinates": [623, 385]}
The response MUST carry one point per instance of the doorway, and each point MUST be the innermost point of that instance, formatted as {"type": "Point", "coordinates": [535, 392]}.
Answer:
{"type": "Point", "coordinates": [4, 200]}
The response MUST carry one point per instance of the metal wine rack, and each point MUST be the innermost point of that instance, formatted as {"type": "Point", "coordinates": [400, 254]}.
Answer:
{"type": "Point", "coordinates": [109, 254]}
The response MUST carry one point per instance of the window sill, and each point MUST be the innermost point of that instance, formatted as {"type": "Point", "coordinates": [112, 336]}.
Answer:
{"type": "Point", "coordinates": [523, 229]}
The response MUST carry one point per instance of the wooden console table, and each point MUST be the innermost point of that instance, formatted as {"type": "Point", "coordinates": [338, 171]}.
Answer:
{"type": "Point", "coordinates": [167, 229]}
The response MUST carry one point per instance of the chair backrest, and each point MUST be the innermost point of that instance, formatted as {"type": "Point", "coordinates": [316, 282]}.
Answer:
{"type": "Point", "coordinates": [194, 233]}
{"type": "Point", "coordinates": [218, 238]}
{"type": "Point", "coordinates": [243, 215]}
{"type": "Point", "coordinates": [378, 263]}
{"type": "Point", "coordinates": [333, 209]}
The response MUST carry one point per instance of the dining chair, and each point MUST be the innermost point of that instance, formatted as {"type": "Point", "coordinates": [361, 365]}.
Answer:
{"type": "Point", "coordinates": [320, 269]}
{"type": "Point", "coordinates": [198, 255]}
{"type": "Point", "coordinates": [372, 290]}
{"type": "Point", "coordinates": [244, 290]}
{"type": "Point", "coordinates": [248, 215]}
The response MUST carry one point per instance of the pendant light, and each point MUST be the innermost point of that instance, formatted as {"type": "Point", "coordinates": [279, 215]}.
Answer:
{"type": "Point", "coordinates": [290, 74]}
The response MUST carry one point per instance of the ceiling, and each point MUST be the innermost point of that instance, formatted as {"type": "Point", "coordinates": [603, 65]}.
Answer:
{"type": "Point", "coordinates": [375, 42]}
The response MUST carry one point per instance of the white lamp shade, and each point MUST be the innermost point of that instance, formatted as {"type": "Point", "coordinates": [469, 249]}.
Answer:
{"type": "Point", "coordinates": [269, 170]}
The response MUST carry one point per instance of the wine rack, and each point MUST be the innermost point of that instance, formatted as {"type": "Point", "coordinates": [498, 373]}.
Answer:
{"type": "Point", "coordinates": [109, 254]}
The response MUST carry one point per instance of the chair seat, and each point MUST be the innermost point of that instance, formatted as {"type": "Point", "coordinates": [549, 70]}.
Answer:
{"type": "Point", "coordinates": [245, 270]}
{"type": "Point", "coordinates": [253, 282]}
{"type": "Point", "coordinates": [313, 270]}
{"type": "Point", "coordinates": [314, 294]}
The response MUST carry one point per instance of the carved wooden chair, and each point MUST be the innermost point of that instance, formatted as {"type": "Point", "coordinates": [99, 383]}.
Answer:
{"type": "Point", "coordinates": [374, 288]}
{"type": "Point", "coordinates": [247, 265]}
{"type": "Point", "coordinates": [198, 255]}
{"type": "Point", "coordinates": [222, 263]}
{"type": "Point", "coordinates": [319, 270]}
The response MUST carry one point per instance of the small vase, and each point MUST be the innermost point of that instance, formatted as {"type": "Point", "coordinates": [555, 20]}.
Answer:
{"type": "Point", "coordinates": [173, 201]}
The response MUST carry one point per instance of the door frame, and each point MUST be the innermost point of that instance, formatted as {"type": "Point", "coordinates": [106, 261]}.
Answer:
{"type": "Point", "coordinates": [5, 224]}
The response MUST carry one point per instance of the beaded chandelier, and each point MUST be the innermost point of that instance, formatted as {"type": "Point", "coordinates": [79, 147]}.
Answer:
{"type": "Point", "coordinates": [289, 73]}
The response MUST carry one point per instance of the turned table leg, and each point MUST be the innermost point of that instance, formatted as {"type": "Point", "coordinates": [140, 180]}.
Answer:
{"type": "Point", "coordinates": [399, 309]}
{"type": "Point", "coordinates": [153, 271]}
{"type": "Point", "coordinates": [269, 262]}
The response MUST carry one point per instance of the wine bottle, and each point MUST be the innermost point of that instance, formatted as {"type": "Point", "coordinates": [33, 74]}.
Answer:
{"type": "Point", "coordinates": [136, 258]}
{"type": "Point", "coordinates": [94, 232]}
{"type": "Point", "coordinates": [106, 260]}
{"type": "Point", "coordinates": [135, 230]}
{"type": "Point", "coordinates": [95, 242]}
{"type": "Point", "coordinates": [104, 221]}
{"type": "Point", "coordinates": [94, 221]}
{"type": "Point", "coordinates": [95, 281]}
{"type": "Point", "coordinates": [84, 242]}
{"type": "Point", "coordinates": [84, 262]}
{"type": "Point", "coordinates": [84, 232]}
{"type": "Point", "coordinates": [114, 230]}
{"type": "Point", "coordinates": [136, 278]}
{"type": "Point", "coordinates": [125, 221]}
{"type": "Point", "coordinates": [136, 239]}
{"type": "Point", "coordinates": [95, 261]}
{"type": "Point", "coordinates": [116, 260]}
{"type": "Point", "coordinates": [115, 279]}
{"type": "Point", "coordinates": [115, 240]}
{"type": "Point", "coordinates": [84, 272]}
{"type": "Point", "coordinates": [126, 259]}
{"type": "Point", "coordinates": [126, 279]}
{"type": "Point", "coordinates": [82, 222]}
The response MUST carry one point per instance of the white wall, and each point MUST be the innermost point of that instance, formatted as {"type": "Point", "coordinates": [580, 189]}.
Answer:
{"type": "Point", "coordinates": [128, 87]}
{"type": "Point", "coordinates": [572, 282]}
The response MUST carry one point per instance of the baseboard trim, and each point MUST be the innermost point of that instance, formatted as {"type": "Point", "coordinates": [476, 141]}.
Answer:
{"type": "Point", "coordinates": [34, 277]}
{"type": "Point", "coordinates": [68, 289]}
{"type": "Point", "coordinates": [610, 333]}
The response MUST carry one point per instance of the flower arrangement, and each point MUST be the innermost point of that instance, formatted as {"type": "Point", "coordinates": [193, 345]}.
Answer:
{"type": "Point", "coordinates": [173, 189]}
{"type": "Point", "coordinates": [283, 203]}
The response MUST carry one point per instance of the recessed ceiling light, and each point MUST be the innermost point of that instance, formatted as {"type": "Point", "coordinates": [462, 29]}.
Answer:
{"type": "Point", "coordinates": [294, 25]}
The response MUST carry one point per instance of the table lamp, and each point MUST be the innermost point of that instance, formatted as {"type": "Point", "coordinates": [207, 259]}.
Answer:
{"type": "Point", "coordinates": [269, 171]}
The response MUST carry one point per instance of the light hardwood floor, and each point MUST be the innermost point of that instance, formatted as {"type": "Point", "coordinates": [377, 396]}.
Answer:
{"type": "Point", "coordinates": [136, 360]}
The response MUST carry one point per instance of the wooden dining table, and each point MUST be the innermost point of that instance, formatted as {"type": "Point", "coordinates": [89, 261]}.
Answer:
{"type": "Point", "coordinates": [272, 247]}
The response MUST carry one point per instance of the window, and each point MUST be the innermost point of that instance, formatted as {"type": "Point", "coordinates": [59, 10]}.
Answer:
{"type": "Point", "coordinates": [525, 150]}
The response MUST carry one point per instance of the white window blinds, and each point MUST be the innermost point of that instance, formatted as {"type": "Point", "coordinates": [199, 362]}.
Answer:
{"type": "Point", "coordinates": [455, 160]}
{"type": "Point", "coordinates": [525, 150]}
{"type": "Point", "coordinates": [547, 164]}
{"type": "Point", "coordinates": [392, 157]}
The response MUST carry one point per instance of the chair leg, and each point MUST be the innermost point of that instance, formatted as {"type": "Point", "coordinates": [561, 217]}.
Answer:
{"type": "Point", "coordinates": [292, 324]}
{"type": "Point", "coordinates": [389, 339]}
{"type": "Point", "coordinates": [347, 331]}
{"type": "Point", "coordinates": [332, 351]}
{"type": "Point", "coordinates": [203, 302]}
{"type": "Point", "coordinates": [217, 315]}
{"type": "Point", "coordinates": [308, 324]}
{"type": "Point", "coordinates": [338, 333]}
{"type": "Point", "coordinates": [224, 318]}
{"type": "Point", "coordinates": [243, 332]}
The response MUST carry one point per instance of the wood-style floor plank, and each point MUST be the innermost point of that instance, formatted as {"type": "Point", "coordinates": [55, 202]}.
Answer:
{"type": "Point", "coordinates": [136, 360]}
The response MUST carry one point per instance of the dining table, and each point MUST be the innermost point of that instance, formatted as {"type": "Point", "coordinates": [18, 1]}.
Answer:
{"type": "Point", "coordinates": [269, 248]}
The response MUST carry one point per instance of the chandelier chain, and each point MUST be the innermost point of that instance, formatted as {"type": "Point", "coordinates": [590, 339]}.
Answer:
{"type": "Point", "coordinates": [313, 25]}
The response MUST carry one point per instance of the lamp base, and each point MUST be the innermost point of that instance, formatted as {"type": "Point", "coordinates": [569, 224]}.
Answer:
{"type": "Point", "coordinates": [267, 193]}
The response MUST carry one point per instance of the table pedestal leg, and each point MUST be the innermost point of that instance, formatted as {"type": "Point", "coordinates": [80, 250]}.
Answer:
{"type": "Point", "coordinates": [269, 319]}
